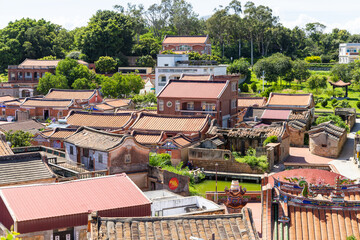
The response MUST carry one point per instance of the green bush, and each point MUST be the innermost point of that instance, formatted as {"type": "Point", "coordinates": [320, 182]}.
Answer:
{"type": "Point", "coordinates": [313, 59]}
{"type": "Point", "coordinates": [333, 102]}
{"type": "Point", "coordinates": [270, 139]}
{"type": "Point", "coordinates": [335, 119]}
{"type": "Point", "coordinates": [251, 159]}
{"type": "Point", "coordinates": [358, 104]}
{"type": "Point", "coordinates": [324, 102]}
{"type": "Point", "coordinates": [159, 160]}
{"type": "Point", "coordinates": [244, 87]}
{"type": "Point", "coordinates": [342, 104]}
{"type": "Point", "coordinates": [253, 87]}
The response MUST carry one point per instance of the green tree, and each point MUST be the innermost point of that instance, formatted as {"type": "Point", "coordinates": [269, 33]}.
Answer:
{"type": "Point", "coordinates": [239, 66]}
{"type": "Point", "coordinates": [301, 71]}
{"type": "Point", "coordinates": [335, 119]}
{"type": "Point", "coordinates": [18, 138]}
{"type": "Point", "coordinates": [147, 45]}
{"type": "Point", "coordinates": [105, 64]}
{"type": "Point", "coordinates": [317, 82]}
{"type": "Point", "coordinates": [49, 81]}
{"type": "Point", "coordinates": [48, 58]}
{"type": "Point", "coordinates": [120, 85]}
{"type": "Point", "coordinates": [145, 61]}
{"type": "Point", "coordinates": [341, 72]}
{"type": "Point", "coordinates": [108, 33]}
{"type": "Point", "coordinates": [72, 70]}
{"type": "Point", "coordinates": [83, 83]}
{"type": "Point", "coordinates": [275, 66]}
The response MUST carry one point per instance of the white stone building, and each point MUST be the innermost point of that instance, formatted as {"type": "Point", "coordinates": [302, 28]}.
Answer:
{"type": "Point", "coordinates": [348, 52]}
{"type": "Point", "coordinates": [171, 66]}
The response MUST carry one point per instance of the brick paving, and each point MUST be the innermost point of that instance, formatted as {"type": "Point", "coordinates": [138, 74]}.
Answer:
{"type": "Point", "coordinates": [303, 155]}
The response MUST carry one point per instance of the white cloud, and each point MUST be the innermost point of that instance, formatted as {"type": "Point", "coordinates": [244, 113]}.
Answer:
{"type": "Point", "coordinates": [353, 26]}
{"type": "Point", "coordinates": [300, 21]}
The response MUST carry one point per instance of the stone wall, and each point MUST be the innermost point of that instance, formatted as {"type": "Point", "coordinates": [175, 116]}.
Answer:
{"type": "Point", "coordinates": [296, 137]}
{"type": "Point", "coordinates": [325, 146]}
{"type": "Point", "coordinates": [207, 159]}
{"type": "Point", "coordinates": [251, 196]}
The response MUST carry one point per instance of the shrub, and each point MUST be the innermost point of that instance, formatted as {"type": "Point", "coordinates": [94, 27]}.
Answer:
{"type": "Point", "coordinates": [333, 102]}
{"type": "Point", "coordinates": [253, 87]}
{"type": "Point", "coordinates": [342, 104]}
{"type": "Point", "coordinates": [335, 119]}
{"type": "Point", "coordinates": [239, 66]}
{"type": "Point", "coordinates": [313, 59]}
{"type": "Point", "coordinates": [267, 92]}
{"type": "Point", "coordinates": [159, 160]}
{"type": "Point", "coordinates": [358, 104]}
{"type": "Point", "coordinates": [324, 102]}
{"type": "Point", "coordinates": [252, 160]}
{"type": "Point", "coordinates": [244, 87]}
{"type": "Point", "coordinates": [270, 139]}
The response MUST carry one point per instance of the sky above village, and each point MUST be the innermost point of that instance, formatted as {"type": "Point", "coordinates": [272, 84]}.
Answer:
{"type": "Point", "coordinates": [75, 13]}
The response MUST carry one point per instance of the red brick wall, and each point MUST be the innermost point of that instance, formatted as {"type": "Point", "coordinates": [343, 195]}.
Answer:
{"type": "Point", "coordinates": [24, 71]}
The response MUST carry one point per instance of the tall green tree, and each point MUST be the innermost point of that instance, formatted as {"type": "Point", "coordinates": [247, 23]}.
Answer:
{"type": "Point", "coordinates": [120, 85]}
{"type": "Point", "coordinates": [106, 64]}
{"type": "Point", "coordinates": [108, 33]}
{"type": "Point", "coordinates": [49, 81]}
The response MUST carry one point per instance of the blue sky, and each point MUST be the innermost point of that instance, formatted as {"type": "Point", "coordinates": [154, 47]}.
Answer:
{"type": "Point", "coordinates": [74, 13]}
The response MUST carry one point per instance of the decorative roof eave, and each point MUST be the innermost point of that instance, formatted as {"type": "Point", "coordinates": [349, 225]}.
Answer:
{"type": "Point", "coordinates": [339, 83]}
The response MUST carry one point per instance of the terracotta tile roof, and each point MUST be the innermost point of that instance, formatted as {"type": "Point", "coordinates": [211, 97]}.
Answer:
{"type": "Point", "coordinates": [103, 106]}
{"type": "Point", "coordinates": [42, 102]}
{"type": "Point", "coordinates": [39, 63]}
{"type": "Point", "coordinates": [26, 126]}
{"type": "Point", "coordinates": [58, 133]}
{"type": "Point", "coordinates": [194, 77]}
{"type": "Point", "coordinates": [70, 94]}
{"type": "Point", "coordinates": [328, 128]}
{"type": "Point", "coordinates": [7, 98]}
{"type": "Point", "coordinates": [23, 167]}
{"type": "Point", "coordinates": [193, 89]}
{"type": "Point", "coordinates": [147, 138]}
{"type": "Point", "coordinates": [276, 114]}
{"type": "Point", "coordinates": [27, 63]}
{"type": "Point", "coordinates": [90, 138]}
{"type": "Point", "coordinates": [181, 140]}
{"type": "Point", "coordinates": [67, 204]}
{"type": "Point", "coordinates": [155, 122]}
{"type": "Point", "coordinates": [292, 100]}
{"type": "Point", "coordinates": [231, 226]}
{"type": "Point", "coordinates": [5, 148]}
{"type": "Point", "coordinates": [15, 102]}
{"type": "Point", "coordinates": [99, 120]}
{"type": "Point", "coordinates": [118, 102]}
{"type": "Point", "coordinates": [251, 102]}
{"type": "Point", "coordinates": [185, 39]}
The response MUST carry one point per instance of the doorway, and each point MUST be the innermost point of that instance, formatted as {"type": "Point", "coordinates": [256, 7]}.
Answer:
{"type": "Point", "coordinates": [46, 114]}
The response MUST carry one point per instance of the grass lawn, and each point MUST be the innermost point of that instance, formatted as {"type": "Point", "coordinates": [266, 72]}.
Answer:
{"type": "Point", "coordinates": [297, 87]}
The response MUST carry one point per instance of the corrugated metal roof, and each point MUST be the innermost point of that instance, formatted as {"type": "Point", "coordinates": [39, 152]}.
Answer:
{"type": "Point", "coordinates": [34, 202]}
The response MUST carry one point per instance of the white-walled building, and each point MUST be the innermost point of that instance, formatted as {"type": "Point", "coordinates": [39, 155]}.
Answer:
{"type": "Point", "coordinates": [348, 52]}
{"type": "Point", "coordinates": [171, 66]}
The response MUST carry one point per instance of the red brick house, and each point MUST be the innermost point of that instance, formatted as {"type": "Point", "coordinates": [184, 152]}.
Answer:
{"type": "Point", "coordinates": [53, 138]}
{"type": "Point", "coordinates": [60, 210]}
{"type": "Point", "coordinates": [184, 97]}
{"type": "Point", "coordinates": [200, 44]}
{"type": "Point", "coordinates": [42, 108]}
{"type": "Point", "coordinates": [25, 76]}
{"type": "Point", "coordinates": [80, 96]}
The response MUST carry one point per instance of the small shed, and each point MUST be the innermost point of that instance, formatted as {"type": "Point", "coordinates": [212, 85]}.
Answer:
{"type": "Point", "coordinates": [327, 139]}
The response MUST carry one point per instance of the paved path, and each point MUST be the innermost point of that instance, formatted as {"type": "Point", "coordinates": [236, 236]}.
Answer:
{"type": "Point", "coordinates": [343, 164]}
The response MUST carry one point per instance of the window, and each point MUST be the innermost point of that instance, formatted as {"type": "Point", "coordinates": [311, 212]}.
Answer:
{"type": "Point", "coordinates": [233, 103]}
{"type": "Point", "coordinates": [28, 74]}
{"type": "Point", "coordinates": [177, 106]}
{"type": "Point", "coordinates": [161, 105]}
{"type": "Point", "coordinates": [71, 150]}
{"type": "Point", "coordinates": [233, 86]}
{"type": "Point", "coordinates": [60, 114]}
{"type": "Point", "coordinates": [190, 106]}
{"type": "Point", "coordinates": [199, 155]}
{"type": "Point", "coordinates": [163, 79]}
{"type": "Point", "coordinates": [184, 48]}
{"type": "Point", "coordinates": [3, 112]}
{"type": "Point", "coordinates": [208, 106]}
{"type": "Point", "coordinates": [169, 104]}
{"type": "Point", "coordinates": [100, 158]}
{"type": "Point", "coordinates": [85, 152]}
{"type": "Point", "coordinates": [127, 158]}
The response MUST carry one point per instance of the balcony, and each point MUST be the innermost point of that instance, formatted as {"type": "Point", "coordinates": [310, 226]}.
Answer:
{"type": "Point", "coordinates": [199, 112]}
